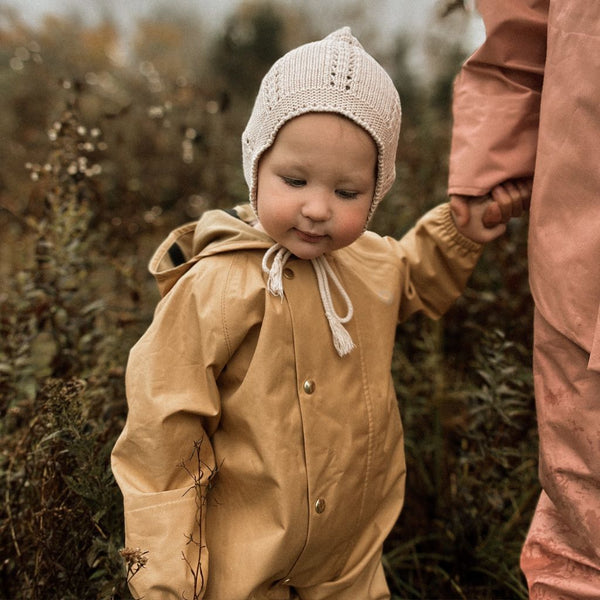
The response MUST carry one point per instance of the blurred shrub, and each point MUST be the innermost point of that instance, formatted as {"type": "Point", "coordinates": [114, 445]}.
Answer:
{"type": "Point", "coordinates": [471, 459]}
{"type": "Point", "coordinates": [119, 149]}
{"type": "Point", "coordinates": [61, 397]}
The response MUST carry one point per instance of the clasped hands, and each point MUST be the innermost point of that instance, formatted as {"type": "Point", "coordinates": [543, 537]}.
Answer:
{"type": "Point", "coordinates": [484, 218]}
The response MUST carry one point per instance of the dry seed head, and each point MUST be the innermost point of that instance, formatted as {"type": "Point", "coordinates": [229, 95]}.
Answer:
{"type": "Point", "coordinates": [134, 558]}
{"type": "Point", "coordinates": [94, 170]}
{"type": "Point", "coordinates": [156, 112]}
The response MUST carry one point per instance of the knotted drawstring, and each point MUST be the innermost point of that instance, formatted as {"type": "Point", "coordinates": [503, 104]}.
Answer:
{"type": "Point", "coordinates": [341, 338]}
{"type": "Point", "coordinates": [275, 272]}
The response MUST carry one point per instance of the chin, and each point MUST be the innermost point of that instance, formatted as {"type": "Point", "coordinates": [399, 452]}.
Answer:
{"type": "Point", "coordinates": [307, 253]}
{"type": "Point", "coordinates": [309, 256]}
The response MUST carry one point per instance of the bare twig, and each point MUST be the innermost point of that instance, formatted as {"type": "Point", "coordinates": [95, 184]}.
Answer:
{"type": "Point", "coordinates": [135, 559]}
{"type": "Point", "coordinates": [202, 483]}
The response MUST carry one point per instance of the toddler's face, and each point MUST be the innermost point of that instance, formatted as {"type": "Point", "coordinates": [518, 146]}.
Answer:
{"type": "Point", "coordinates": [316, 184]}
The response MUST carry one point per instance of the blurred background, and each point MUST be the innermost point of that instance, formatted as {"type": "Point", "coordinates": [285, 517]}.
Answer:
{"type": "Point", "coordinates": [121, 120]}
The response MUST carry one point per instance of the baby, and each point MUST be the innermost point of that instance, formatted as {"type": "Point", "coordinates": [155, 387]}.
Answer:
{"type": "Point", "coordinates": [268, 359]}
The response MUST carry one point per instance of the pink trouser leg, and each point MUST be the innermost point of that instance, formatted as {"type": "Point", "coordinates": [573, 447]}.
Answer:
{"type": "Point", "coordinates": [561, 555]}
{"type": "Point", "coordinates": [555, 567]}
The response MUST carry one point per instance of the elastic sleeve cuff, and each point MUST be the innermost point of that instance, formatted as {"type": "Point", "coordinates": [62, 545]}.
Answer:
{"type": "Point", "coordinates": [451, 232]}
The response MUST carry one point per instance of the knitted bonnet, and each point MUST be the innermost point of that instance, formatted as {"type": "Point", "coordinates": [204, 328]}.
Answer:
{"type": "Point", "coordinates": [333, 75]}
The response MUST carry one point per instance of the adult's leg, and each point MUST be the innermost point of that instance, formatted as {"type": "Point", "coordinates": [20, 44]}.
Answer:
{"type": "Point", "coordinates": [561, 556]}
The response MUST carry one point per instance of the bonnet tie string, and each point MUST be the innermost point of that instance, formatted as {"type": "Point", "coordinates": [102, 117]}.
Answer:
{"type": "Point", "coordinates": [341, 338]}
{"type": "Point", "coordinates": [275, 271]}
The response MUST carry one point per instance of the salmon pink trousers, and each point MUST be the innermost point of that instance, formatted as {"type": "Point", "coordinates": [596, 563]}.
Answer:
{"type": "Point", "coordinates": [560, 557]}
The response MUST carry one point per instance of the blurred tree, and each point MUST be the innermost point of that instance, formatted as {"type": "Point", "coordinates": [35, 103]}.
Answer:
{"type": "Point", "coordinates": [174, 42]}
{"type": "Point", "coordinates": [254, 38]}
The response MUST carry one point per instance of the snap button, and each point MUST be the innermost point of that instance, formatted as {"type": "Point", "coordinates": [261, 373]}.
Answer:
{"type": "Point", "coordinates": [288, 273]}
{"type": "Point", "coordinates": [320, 505]}
{"type": "Point", "coordinates": [309, 386]}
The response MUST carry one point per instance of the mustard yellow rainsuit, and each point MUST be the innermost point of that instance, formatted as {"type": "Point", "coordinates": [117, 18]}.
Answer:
{"type": "Point", "coordinates": [306, 446]}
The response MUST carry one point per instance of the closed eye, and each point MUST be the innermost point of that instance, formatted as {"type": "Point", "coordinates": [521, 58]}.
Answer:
{"type": "Point", "coordinates": [293, 182]}
{"type": "Point", "coordinates": [346, 195]}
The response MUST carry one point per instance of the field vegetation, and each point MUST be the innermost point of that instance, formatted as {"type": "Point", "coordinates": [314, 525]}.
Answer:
{"type": "Point", "coordinates": [103, 151]}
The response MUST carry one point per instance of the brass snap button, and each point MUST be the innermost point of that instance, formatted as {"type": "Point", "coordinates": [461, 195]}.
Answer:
{"type": "Point", "coordinates": [309, 386]}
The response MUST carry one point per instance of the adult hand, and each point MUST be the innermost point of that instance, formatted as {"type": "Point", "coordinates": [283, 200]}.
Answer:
{"type": "Point", "coordinates": [510, 199]}
{"type": "Point", "coordinates": [484, 218]}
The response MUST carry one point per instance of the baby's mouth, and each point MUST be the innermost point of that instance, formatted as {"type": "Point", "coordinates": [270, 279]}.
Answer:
{"type": "Point", "coordinates": [309, 237]}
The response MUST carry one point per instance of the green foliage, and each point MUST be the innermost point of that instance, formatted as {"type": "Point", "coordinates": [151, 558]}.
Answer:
{"type": "Point", "coordinates": [119, 152]}
{"type": "Point", "coordinates": [60, 380]}
{"type": "Point", "coordinates": [471, 455]}
{"type": "Point", "coordinates": [60, 505]}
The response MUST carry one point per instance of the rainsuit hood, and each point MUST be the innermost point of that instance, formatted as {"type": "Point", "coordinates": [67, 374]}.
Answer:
{"type": "Point", "coordinates": [216, 232]}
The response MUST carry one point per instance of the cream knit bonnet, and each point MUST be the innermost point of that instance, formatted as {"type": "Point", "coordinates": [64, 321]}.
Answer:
{"type": "Point", "coordinates": [333, 75]}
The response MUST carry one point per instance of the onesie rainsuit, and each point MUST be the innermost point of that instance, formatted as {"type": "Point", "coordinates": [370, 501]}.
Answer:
{"type": "Point", "coordinates": [528, 103]}
{"type": "Point", "coordinates": [306, 447]}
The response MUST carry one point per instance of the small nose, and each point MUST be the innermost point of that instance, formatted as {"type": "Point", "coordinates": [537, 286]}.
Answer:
{"type": "Point", "coordinates": [316, 207]}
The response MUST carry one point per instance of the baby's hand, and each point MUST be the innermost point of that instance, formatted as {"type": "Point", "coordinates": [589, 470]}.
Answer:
{"type": "Point", "coordinates": [483, 218]}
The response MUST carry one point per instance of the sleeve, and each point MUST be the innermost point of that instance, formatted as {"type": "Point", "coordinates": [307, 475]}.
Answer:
{"type": "Point", "coordinates": [437, 263]}
{"type": "Point", "coordinates": [163, 461]}
{"type": "Point", "coordinates": [497, 93]}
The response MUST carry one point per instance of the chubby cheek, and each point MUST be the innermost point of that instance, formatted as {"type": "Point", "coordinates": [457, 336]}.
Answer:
{"type": "Point", "coordinates": [351, 226]}
{"type": "Point", "coordinates": [272, 215]}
